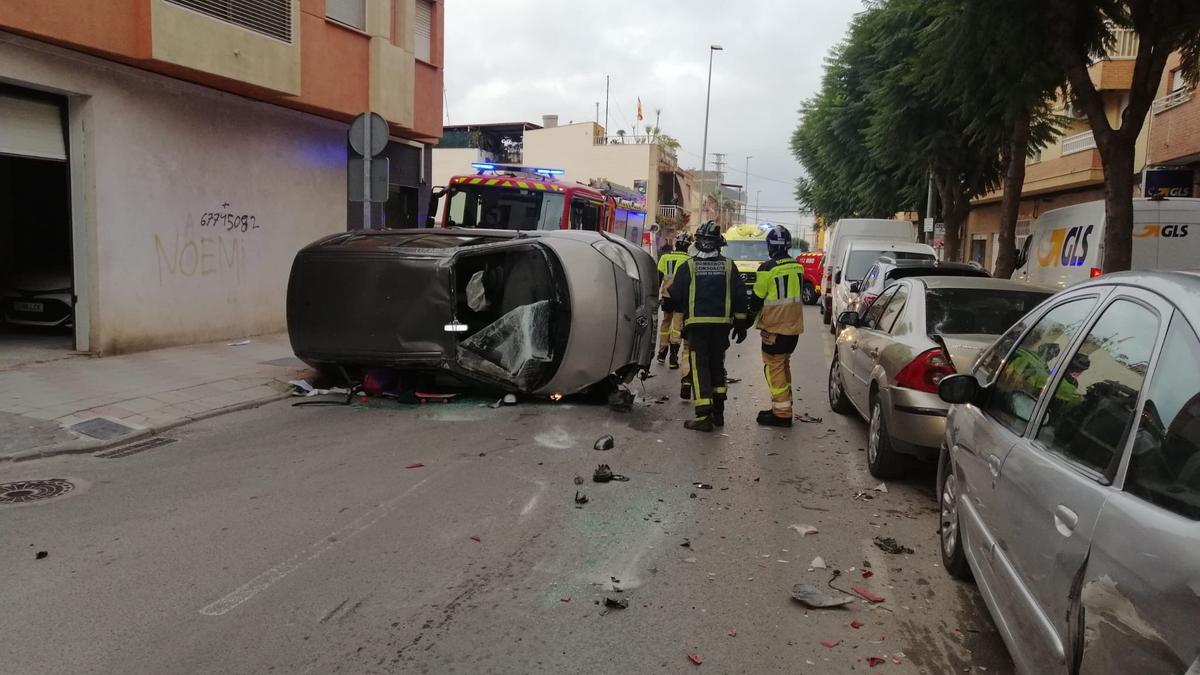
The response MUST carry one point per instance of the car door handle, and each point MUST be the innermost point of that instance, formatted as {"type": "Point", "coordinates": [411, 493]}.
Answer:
{"type": "Point", "coordinates": [1065, 520]}
{"type": "Point", "coordinates": [994, 465]}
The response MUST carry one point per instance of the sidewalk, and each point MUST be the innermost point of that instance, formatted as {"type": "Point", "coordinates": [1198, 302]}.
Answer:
{"type": "Point", "coordinates": [84, 404]}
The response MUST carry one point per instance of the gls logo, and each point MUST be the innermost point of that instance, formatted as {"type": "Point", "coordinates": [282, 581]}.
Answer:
{"type": "Point", "coordinates": [1066, 246]}
{"type": "Point", "coordinates": [1162, 231]}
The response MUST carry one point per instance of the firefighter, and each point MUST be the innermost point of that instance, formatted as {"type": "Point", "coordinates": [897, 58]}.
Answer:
{"type": "Point", "coordinates": [672, 323]}
{"type": "Point", "coordinates": [778, 303]}
{"type": "Point", "coordinates": [713, 298]}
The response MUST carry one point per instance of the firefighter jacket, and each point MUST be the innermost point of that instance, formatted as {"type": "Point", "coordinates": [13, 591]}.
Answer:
{"type": "Point", "coordinates": [709, 291]}
{"type": "Point", "coordinates": [777, 296]}
{"type": "Point", "coordinates": [668, 264]}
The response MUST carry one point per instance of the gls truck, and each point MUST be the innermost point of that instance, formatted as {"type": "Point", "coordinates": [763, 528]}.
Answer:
{"type": "Point", "coordinates": [1066, 246]}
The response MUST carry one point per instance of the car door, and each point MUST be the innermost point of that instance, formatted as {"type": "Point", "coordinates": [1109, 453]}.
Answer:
{"type": "Point", "coordinates": [876, 338]}
{"type": "Point", "coordinates": [856, 361]}
{"type": "Point", "coordinates": [1055, 480]}
{"type": "Point", "coordinates": [1016, 370]}
{"type": "Point", "coordinates": [1138, 596]}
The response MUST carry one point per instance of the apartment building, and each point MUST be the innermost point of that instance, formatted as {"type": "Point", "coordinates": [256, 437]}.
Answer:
{"type": "Point", "coordinates": [1174, 129]}
{"type": "Point", "coordinates": [163, 160]}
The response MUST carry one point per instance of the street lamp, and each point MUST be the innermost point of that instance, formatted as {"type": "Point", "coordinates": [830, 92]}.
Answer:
{"type": "Point", "coordinates": [704, 147]}
{"type": "Point", "coordinates": [746, 188]}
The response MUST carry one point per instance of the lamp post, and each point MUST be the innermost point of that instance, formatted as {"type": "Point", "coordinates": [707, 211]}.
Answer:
{"type": "Point", "coordinates": [746, 188]}
{"type": "Point", "coordinates": [704, 148]}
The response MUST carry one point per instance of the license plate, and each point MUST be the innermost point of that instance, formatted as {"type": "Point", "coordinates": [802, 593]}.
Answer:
{"type": "Point", "coordinates": [35, 307]}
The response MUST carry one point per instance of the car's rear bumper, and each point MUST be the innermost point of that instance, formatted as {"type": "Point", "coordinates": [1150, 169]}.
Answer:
{"type": "Point", "coordinates": [917, 420]}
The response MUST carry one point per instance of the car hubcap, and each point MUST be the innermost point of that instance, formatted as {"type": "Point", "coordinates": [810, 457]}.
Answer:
{"type": "Point", "coordinates": [950, 514]}
{"type": "Point", "coordinates": [873, 436]}
{"type": "Point", "coordinates": [835, 387]}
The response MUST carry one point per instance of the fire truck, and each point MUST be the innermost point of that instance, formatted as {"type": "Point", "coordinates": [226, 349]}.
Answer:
{"type": "Point", "coordinates": [517, 197]}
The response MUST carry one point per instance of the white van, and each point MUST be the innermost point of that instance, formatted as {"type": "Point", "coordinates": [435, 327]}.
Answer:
{"type": "Point", "coordinates": [1066, 246]}
{"type": "Point", "coordinates": [849, 229]}
{"type": "Point", "coordinates": [860, 255]}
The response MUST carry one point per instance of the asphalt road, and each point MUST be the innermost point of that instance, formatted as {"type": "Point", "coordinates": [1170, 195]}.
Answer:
{"type": "Point", "coordinates": [295, 539]}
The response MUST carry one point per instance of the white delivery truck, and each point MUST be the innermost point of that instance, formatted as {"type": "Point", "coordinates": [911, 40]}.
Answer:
{"type": "Point", "coordinates": [1066, 246]}
{"type": "Point", "coordinates": [847, 230]}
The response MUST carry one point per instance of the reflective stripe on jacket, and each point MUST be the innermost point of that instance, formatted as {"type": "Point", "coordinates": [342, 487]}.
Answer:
{"type": "Point", "coordinates": [778, 287]}
{"type": "Point", "coordinates": [714, 292]}
{"type": "Point", "coordinates": [668, 264]}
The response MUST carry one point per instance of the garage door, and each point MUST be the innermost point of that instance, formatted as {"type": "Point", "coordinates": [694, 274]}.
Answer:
{"type": "Point", "coordinates": [30, 128]}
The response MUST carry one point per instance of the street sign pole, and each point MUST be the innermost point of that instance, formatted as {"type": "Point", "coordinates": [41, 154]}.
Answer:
{"type": "Point", "coordinates": [368, 137]}
{"type": "Point", "coordinates": [366, 178]}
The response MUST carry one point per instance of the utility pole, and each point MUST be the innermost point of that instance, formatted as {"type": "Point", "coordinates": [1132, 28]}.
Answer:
{"type": "Point", "coordinates": [704, 148]}
{"type": "Point", "coordinates": [606, 105]}
{"type": "Point", "coordinates": [926, 237]}
{"type": "Point", "coordinates": [597, 112]}
{"type": "Point", "coordinates": [746, 188]}
{"type": "Point", "coordinates": [719, 163]}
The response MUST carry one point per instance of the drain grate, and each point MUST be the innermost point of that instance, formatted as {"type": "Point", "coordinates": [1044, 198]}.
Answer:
{"type": "Point", "coordinates": [22, 491]}
{"type": "Point", "coordinates": [134, 448]}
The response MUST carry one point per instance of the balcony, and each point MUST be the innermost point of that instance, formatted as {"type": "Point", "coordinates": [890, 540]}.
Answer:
{"type": "Point", "coordinates": [1125, 46]}
{"type": "Point", "coordinates": [1078, 143]}
{"type": "Point", "coordinates": [671, 211]}
{"type": "Point", "coordinates": [1114, 72]}
{"type": "Point", "coordinates": [1177, 97]}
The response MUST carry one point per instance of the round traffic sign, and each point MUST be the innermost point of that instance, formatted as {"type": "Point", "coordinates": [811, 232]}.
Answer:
{"type": "Point", "coordinates": [358, 134]}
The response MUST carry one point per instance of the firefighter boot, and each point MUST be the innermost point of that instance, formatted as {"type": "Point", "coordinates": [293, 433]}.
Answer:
{"type": "Point", "coordinates": [718, 412]}
{"type": "Point", "coordinates": [700, 424]}
{"type": "Point", "coordinates": [662, 356]}
{"type": "Point", "coordinates": [674, 357]}
{"type": "Point", "coordinates": [768, 418]}
{"type": "Point", "coordinates": [685, 389]}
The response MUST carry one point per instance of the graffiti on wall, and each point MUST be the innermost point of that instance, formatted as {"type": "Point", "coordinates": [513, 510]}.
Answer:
{"type": "Point", "coordinates": [214, 248]}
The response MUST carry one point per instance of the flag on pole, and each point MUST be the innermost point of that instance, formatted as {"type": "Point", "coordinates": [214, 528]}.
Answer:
{"type": "Point", "coordinates": [639, 108]}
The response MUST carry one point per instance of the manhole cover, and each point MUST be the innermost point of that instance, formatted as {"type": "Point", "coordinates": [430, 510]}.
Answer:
{"type": "Point", "coordinates": [23, 491]}
{"type": "Point", "coordinates": [103, 429]}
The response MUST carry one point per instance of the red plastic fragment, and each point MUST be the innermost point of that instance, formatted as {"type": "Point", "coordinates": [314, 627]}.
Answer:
{"type": "Point", "coordinates": [874, 661]}
{"type": "Point", "coordinates": [732, 632]}
{"type": "Point", "coordinates": [856, 624]}
{"type": "Point", "coordinates": [415, 466]}
{"type": "Point", "coordinates": [895, 659]}
{"type": "Point", "coordinates": [474, 537]}
{"type": "Point", "coordinates": [867, 574]}
{"type": "Point", "coordinates": [694, 659]}
{"type": "Point", "coordinates": [865, 594]}
{"type": "Point", "coordinates": [565, 598]}
{"type": "Point", "coordinates": [830, 643]}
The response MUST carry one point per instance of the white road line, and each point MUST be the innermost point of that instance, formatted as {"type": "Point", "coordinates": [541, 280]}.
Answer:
{"type": "Point", "coordinates": [315, 550]}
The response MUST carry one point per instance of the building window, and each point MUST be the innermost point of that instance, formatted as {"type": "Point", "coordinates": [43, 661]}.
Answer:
{"type": "Point", "coordinates": [1179, 81]}
{"type": "Point", "coordinates": [268, 17]}
{"type": "Point", "coordinates": [424, 31]}
{"type": "Point", "coordinates": [353, 13]}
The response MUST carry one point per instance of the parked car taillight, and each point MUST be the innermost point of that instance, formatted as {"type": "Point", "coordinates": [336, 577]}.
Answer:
{"type": "Point", "coordinates": [926, 371]}
{"type": "Point", "coordinates": [868, 298]}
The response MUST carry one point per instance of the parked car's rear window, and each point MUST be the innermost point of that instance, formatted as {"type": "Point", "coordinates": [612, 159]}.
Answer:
{"type": "Point", "coordinates": [987, 311]}
{"type": "Point", "coordinates": [860, 261]}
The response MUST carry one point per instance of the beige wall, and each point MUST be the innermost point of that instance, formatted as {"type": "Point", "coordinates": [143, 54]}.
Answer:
{"type": "Point", "coordinates": [569, 147]}
{"type": "Point", "coordinates": [156, 165]}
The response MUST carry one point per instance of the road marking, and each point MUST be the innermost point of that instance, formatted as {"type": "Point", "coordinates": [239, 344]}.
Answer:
{"type": "Point", "coordinates": [313, 551]}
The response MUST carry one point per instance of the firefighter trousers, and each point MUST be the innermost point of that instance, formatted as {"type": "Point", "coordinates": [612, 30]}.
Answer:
{"type": "Point", "coordinates": [707, 344]}
{"type": "Point", "coordinates": [777, 367]}
{"type": "Point", "coordinates": [669, 331]}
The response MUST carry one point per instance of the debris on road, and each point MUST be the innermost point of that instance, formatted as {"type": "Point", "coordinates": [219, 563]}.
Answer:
{"type": "Point", "coordinates": [818, 563]}
{"type": "Point", "coordinates": [830, 644]}
{"type": "Point", "coordinates": [805, 417]}
{"type": "Point", "coordinates": [579, 480]}
{"type": "Point", "coordinates": [694, 659]}
{"type": "Point", "coordinates": [890, 545]}
{"type": "Point", "coordinates": [509, 399]}
{"type": "Point", "coordinates": [623, 603]}
{"type": "Point", "coordinates": [882, 487]}
{"type": "Point", "coordinates": [732, 632]}
{"type": "Point", "coordinates": [804, 530]}
{"type": "Point", "coordinates": [856, 624]}
{"type": "Point", "coordinates": [604, 474]}
{"type": "Point", "coordinates": [415, 466]}
{"type": "Point", "coordinates": [475, 537]}
{"type": "Point", "coordinates": [41, 555]}
{"type": "Point", "coordinates": [874, 661]}
{"type": "Point", "coordinates": [565, 598]}
{"type": "Point", "coordinates": [818, 599]}
{"type": "Point", "coordinates": [865, 594]}
{"type": "Point", "coordinates": [692, 495]}
{"type": "Point", "coordinates": [580, 499]}
{"type": "Point", "coordinates": [863, 494]}
{"type": "Point", "coordinates": [867, 574]}
{"type": "Point", "coordinates": [703, 486]}
{"type": "Point", "coordinates": [239, 343]}
{"type": "Point", "coordinates": [605, 442]}
{"type": "Point", "coordinates": [689, 560]}
{"type": "Point", "coordinates": [621, 400]}
{"type": "Point", "coordinates": [687, 543]}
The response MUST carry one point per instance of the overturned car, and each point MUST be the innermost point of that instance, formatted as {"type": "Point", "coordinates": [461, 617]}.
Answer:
{"type": "Point", "coordinates": [540, 312]}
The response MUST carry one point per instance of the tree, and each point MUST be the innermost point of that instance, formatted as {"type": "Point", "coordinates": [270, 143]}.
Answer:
{"type": "Point", "coordinates": [1084, 30]}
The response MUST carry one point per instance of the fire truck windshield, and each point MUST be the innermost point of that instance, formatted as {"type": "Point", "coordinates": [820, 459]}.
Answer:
{"type": "Point", "coordinates": [504, 208]}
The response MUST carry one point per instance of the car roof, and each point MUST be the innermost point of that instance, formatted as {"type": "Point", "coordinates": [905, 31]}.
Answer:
{"type": "Point", "coordinates": [986, 283]}
{"type": "Point", "coordinates": [887, 245]}
{"type": "Point", "coordinates": [1181, 287]}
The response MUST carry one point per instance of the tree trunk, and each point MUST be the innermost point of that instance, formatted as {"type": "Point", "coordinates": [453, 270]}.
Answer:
{"type": "Point", "coordinates": [956, 206]}
{"type": "Point", "coordinates": [1014, 182]}
{"type": "Point", "coordinates": [1118, 207]}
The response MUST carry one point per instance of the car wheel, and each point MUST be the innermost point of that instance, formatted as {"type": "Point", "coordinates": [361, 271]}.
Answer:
{"type": "Point", "coordinates": [838, 401]}
{"type": "Point", "coordinates": [949, 532]}
{"type": "Point", "coordinates": [882, 460]}
{"type": "Point", "coordinates": [809, 293]}
{"type": "Point", "coordinates": [826, 311]}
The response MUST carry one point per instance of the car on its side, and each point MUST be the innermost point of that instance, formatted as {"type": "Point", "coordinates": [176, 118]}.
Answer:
{"type": "Point", "coordinates": [532, 312]}
{"type": "Point", "coordinates": [814, 270]}
{"type": "Point", "coordinates": [888, 361]}
{"type": "Point", "coordinates": [888, 269]}
{"type": "Point", "coordinates": [858, 258]}
{"type": "Point", "coordinates": [1069, 478]}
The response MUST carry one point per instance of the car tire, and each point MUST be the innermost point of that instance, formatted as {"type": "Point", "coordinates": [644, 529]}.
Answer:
{"type": "Point", "coordinates": [838, 401]}
{"type": "Point", "coordinates": [882, 459]}
{"type": "Point", "coordinates": [826, 311]}
{"type": "Point", "coordinates": [950, 540]}
{"type": "Point", "coordinates": [809, 293]}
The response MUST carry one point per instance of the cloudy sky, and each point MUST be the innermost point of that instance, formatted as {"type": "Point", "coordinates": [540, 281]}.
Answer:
{"type": "Point", "coordinates": [518, 60]}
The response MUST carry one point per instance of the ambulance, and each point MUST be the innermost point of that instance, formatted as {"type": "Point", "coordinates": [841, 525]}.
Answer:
{"type": "Point", "coordinates": [1066, 246]}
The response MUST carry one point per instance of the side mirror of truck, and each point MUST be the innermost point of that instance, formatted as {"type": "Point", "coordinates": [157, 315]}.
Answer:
{"type": "Point", "coordinates": [855, 286]}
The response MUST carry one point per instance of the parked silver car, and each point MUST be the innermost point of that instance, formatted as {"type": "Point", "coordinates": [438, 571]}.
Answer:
{"type": "Point", "coordinates": [541, 312]}
{"type": "Point", "coordinates": [1070, 478]}
{"type": "Point", "coordinates": [887, 362]}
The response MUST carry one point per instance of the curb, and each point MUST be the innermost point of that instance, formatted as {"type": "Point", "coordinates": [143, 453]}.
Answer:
{"type": "Point", "coordinates": [84, 447]}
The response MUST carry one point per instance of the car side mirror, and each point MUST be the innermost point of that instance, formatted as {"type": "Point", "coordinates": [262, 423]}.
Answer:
{"type": "Point", "coordinates": [837, 277]}
{"type": "Point", "coordinates": [855, 286]}
{"type": "Point", "coordinates": [848, 319]}
{"type": "Point", "coordinates": [959, 388]}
